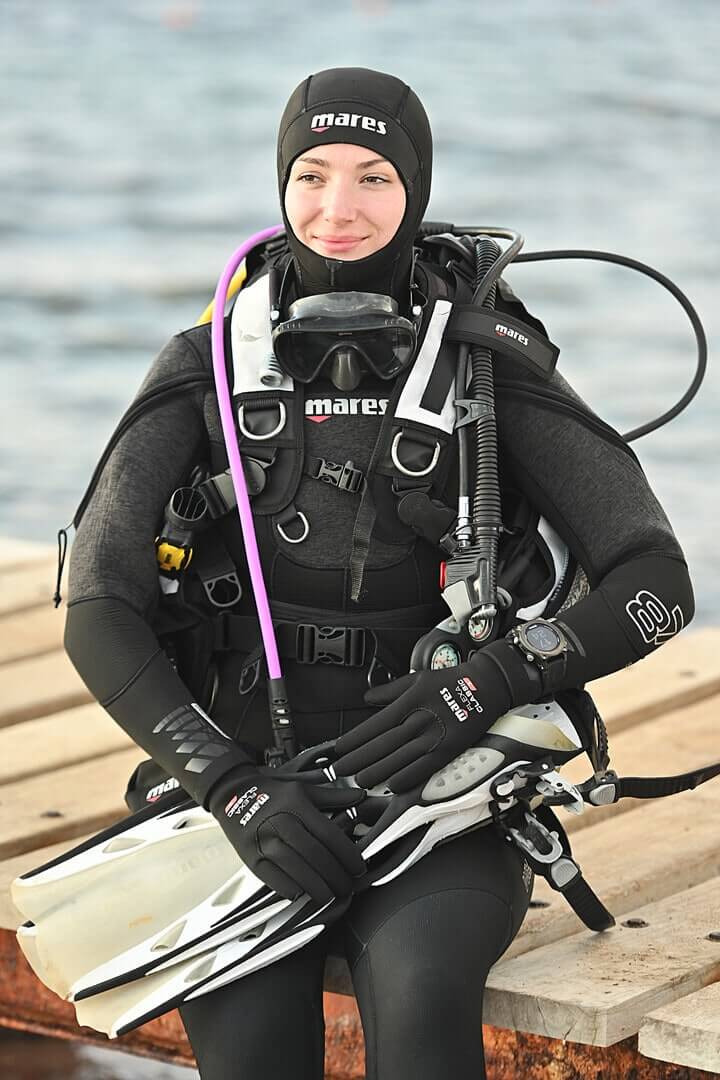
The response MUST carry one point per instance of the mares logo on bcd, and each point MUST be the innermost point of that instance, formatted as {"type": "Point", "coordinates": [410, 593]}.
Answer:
{"type": "Point", "coordinates": [652, 618]}
{"type": "Point", "coordinates": [320, 409]}
{"type": "Point", "coordinates": [505, 331]}
{"type": "Point", "coordinates": [322, 121]}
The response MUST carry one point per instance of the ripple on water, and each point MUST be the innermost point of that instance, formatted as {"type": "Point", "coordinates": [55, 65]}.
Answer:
{"type": "Point", "coordinates": [139, 152]}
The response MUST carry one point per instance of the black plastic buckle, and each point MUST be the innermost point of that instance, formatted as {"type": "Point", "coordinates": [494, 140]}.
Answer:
{"type": "Point", "coordinates": [330, 645]}
{"type": "Point", "coordinates": [345, 477]}
{"type": "Point", "coordinates": [601, 790]}
{"type": "Point", "coordinates": [472, 410]}
{"type": "Point", "coordinates": [544, 851]}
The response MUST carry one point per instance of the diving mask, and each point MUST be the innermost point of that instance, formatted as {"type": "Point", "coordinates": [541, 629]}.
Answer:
{"type": "Point", "coordinates": [344, 333]}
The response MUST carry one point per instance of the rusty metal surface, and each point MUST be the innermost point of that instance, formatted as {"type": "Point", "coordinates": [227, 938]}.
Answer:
{"type": "Point", "coordinates": [26, 1005]}
{"type": "Point", "coordinates": [512, 1054]}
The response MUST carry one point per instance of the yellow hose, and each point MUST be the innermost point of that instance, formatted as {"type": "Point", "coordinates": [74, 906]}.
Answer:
{"type": "Point", "coordinates": [236, 284]}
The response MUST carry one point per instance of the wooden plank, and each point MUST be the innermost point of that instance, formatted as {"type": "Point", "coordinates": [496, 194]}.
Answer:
{"type": "Point", "coordinates": [54, 742]}
{"type": "Point", "coordinates": [28, 586]}
{"type": "Point", "coordinates": [15, 553]}
{"type": "Point", "coordinates": [20, 864]}
{"type": "Point", "coordinates": [677, 742]}
{"type": "Point", "coordinates": [30, 633]}
{"type": "Point", "coordinates": [684, 670]}
{"type": "Point", "coordinates": [596, 988]}
{"type": "Point", "coordinates": [663, 847]}
{"type": "Point", "coordinates": [80, 799]}
{"type": "Point", "coordinates": [39, 686]}
{"type": "Point", "coordinates": [687, 1032]}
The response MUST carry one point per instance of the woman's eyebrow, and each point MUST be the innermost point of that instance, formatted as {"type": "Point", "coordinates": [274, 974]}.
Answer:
{"type": "Point", "coordinates": [361, 165]}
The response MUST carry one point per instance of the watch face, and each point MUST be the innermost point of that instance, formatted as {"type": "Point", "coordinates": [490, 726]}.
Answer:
{"type": "Point", "coordinates": [543, 637]}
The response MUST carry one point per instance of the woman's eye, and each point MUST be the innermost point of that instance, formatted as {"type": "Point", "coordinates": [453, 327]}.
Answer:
{"type": "Point", "coordinates": [307, 177]}
{"type": "Point", "coordinates": [375, 180]}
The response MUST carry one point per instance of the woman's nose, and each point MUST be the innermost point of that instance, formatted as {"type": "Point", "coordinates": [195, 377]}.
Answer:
{"type": "Point", "coordinates": [339, 204]}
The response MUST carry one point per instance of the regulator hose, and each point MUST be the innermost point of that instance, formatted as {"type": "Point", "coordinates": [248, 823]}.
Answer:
{"type": "Point", "coordinates": [672, 288]}
{"type": "Point", "coordinates": [486, 507]}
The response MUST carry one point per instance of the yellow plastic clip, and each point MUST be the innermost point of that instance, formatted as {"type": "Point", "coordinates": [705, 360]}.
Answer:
{"type": "Point", "coordinates": [236, 283]}
{"type": "Point", "coordinates": [172, 560]}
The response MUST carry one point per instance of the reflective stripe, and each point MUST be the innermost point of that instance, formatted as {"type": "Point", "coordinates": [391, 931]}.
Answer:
{"type": "Point", "coordinates": [409, 407]}
{"type": "Point", "coordinates": [252, 342]}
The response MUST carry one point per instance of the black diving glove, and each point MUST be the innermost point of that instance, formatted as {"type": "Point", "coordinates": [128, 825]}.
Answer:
{"type": "Point", "coordinates": [427, 719]}
{"type": "Point", "coordinates": [279, 830]}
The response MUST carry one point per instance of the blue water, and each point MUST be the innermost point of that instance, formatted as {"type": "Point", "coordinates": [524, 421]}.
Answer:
{"type": "Point", "coordinates": [137, 150]}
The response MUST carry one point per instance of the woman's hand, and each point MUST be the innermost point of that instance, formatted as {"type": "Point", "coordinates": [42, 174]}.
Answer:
{"type": "Point", "coordinates": [425, 721]}
{"type": "Point", "coordinates": [280, 829]}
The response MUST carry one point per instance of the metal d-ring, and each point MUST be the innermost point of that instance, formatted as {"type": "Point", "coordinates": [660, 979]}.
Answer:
{"type": "Point", "coordinates": [299, 539]}
{"type": "Point", "coordinates": [268, 435]}
{"type": "Point", "coordinates": [403, 468]}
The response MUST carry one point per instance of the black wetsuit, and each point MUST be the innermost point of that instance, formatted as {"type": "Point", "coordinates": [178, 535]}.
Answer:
{"type": "Point", "coordinates": [420, 948]}
{"type": "Point", "coordinates": [419, 951]}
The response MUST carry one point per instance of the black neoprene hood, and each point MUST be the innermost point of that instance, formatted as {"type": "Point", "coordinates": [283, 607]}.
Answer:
{"type": "Point", "coordinates": [365, 108]}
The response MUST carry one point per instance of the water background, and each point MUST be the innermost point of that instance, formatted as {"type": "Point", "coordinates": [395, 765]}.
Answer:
{"type": "Point", "coordinates": [137, 151]}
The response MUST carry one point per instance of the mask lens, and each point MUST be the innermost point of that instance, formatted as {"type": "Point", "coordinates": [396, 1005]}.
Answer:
{"type": "Point", "coordinates": [320, 326]}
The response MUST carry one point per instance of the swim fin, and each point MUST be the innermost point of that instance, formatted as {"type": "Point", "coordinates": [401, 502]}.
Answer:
{"type": "Point", "coordinates": [460, 796]}
{"type": "Point", "coordinates": [139, 893]}
{"type": "Point", "coordinates": [159, 908]}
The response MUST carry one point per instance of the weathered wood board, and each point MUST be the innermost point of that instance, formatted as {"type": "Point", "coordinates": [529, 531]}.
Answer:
{"type": "Point", "coordinates": [687, 1032]}
{"type": "Point", "coordinates": [39, 686]}
{"type": "Point", "coordinates": [30, 633]}
{"type": "Point", "coordinates": [28, 586]}
{"type": "Point", "coordinates": [684, 670]}
{"type": "Point", "coordinates": [596, 988]}
{"type": "Point", "coordinates": [53, 742]}
{"type": "Point", "coordinates": [17, 554]}
{"type": "Point", "coordinates": [78, 799]}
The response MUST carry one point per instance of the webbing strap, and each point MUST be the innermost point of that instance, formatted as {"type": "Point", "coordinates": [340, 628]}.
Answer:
{"type": "Point", "coordinates": [557, 865]}
{"type": "Point", "coordinates": [656, 787]}
{"type": "Point", "coordinates": [587, 905]}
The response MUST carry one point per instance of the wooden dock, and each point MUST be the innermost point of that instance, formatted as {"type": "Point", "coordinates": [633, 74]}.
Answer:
{"type": "Point", "coordinates": [563, 1002]}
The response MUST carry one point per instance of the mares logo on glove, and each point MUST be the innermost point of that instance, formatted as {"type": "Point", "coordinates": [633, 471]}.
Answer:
{"type": "Point", "coordinates": [467, 700]}
{"type": "Point", "coordinates": [247, 804]}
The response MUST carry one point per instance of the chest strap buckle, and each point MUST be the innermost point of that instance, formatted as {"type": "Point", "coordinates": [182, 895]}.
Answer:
{"type": "Point", "coordinates": [345, 477]}
{"type": "Point", "coordinates": [330, 644]}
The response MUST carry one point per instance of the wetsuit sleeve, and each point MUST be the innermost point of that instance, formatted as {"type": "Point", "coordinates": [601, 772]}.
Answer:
{"type": "Point", "coordinates": [589, 484]}
{"type": "Point", "coordinates": [114, 591]}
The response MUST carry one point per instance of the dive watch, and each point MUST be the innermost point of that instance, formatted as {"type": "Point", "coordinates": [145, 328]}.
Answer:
{"type": "Point", "coordinates": [545, 646]}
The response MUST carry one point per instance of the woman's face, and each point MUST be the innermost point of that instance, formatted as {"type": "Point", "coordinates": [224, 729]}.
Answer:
{"type": "Point", "coordinates": [343, 201]}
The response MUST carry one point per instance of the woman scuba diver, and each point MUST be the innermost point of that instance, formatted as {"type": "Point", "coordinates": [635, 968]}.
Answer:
{"type": "Point", "coordinates": [348, 433]}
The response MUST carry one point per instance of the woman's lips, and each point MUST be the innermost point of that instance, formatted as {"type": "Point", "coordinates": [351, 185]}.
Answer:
{"type": "Point", "coordinates": [339, 243]}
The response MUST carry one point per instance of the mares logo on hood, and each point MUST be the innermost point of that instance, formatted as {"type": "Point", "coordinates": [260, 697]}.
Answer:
{"type": "Point", "coordinates": [322, 121]}
{"type": "Point", "coordinates": [375, 110]}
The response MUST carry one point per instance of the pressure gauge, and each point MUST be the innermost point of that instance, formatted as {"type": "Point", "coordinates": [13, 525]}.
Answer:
{"type": "Point", "coordinates": [444, 656]}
